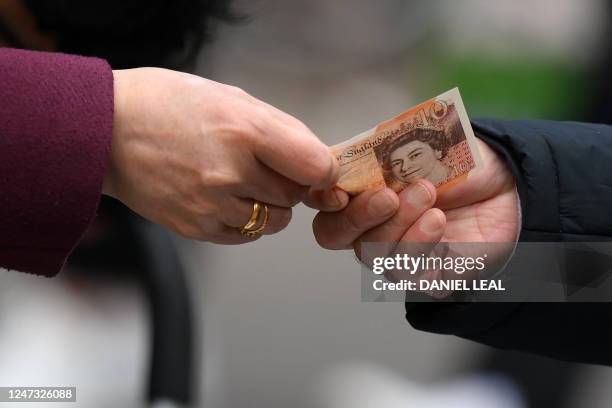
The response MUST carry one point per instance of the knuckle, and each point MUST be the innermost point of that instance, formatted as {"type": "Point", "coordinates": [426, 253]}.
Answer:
{"type": "Point", "coordinates": [260, 120]}
{"type": "Point", "coordinates": [218, 179]}
{"type": "Point", "coordinates": [200, 222]}
{"type": "Point", "coordinates": [253, 125]}
{"type": "Point", "coordinates": [305, 130]}
{"type": "Point", "coordinates": [298, 125]}
{"type": "Point", "coordinates": [201, 210]}
{"type": "Point", "coordinates": [301, 125]}
{"type": "Point", "coordinates": [191, 232]}
{"type": "Point", "coordinates": [236, 90]}
{"type": "Point", "coordinates": [242, 134]}
{"type": "Point", "coordinates": [349, 222]}
{"type": "Point", "coordinates": [290, 196]}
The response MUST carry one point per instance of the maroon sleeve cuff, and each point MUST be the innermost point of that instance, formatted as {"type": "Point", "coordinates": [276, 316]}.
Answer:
{"type": "Point", "coordinates": [56, 118]}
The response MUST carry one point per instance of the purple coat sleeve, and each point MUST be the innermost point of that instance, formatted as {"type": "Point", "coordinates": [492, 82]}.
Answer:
{"type": "Point", "coordinates": [56, 118]}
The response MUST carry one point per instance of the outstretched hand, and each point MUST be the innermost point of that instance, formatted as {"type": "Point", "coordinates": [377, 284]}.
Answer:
{"type": "Point", "coordinates": [193, 154]}
{"type": "Point", "coordinates": [482, 208]}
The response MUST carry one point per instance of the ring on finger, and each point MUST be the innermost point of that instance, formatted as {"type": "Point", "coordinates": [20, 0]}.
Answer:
{"type": "Point", "coordinates": [251, 228]}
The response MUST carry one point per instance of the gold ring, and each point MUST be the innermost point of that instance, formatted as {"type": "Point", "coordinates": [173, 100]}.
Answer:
{"type": "Point", "coordinates": [251, 229]}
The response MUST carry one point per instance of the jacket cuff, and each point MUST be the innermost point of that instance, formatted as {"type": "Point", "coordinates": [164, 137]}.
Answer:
{"type": "Point", "coordinates": [529, 173]}
{"type": "Point", "coordinates": [56, 117]}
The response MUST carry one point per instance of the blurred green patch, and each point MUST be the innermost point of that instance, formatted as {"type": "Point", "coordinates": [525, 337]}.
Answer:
{"type": "Point", "coordinates": [517, 87]}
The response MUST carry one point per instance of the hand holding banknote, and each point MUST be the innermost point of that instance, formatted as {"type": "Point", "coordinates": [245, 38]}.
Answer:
{"type": "Point", "coordinates": [474, 202]}
{"type": "Point", "coordinates": [208, 160]}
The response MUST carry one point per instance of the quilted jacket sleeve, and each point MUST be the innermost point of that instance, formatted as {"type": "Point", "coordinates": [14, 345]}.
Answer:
{"type": "Point", "coordinates": [564, 178]}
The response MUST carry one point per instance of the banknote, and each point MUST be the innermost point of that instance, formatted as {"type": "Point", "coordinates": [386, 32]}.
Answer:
{"type": "Point", "coordinates": [433, 140]}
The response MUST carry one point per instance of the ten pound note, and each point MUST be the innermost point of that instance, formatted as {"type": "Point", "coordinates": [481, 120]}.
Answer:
{"type": "Point", "coordinates": [433, 140]}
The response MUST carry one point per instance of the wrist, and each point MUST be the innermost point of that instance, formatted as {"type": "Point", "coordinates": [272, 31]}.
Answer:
{"type": "Point", "coordinates": [107, 184]}
{"type": "Point", "coordinates": [119, 112]}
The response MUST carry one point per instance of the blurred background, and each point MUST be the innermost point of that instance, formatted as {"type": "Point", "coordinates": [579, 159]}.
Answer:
{"type": "Point", "coordinates": [280, 323]}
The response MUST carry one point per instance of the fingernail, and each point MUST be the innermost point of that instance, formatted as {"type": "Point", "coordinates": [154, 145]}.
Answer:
{"type": "Point", "coordinates": [336, 169]}
{"type": "Point", "coordinates": [332, 198]}
{"type": "Point", "coordinates": [333, 173]}
{"type": "Point", "coordinates": [381, 203]}
{"type": "Point", "coordinates": [431, 222]}
{"type": "Point", "coordinates": [339, 196]}
{"type": "Point", "coordinates": [417, 195]}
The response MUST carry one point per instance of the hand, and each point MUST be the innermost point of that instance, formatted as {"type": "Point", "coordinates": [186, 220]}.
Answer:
{"type": "Point", "coordinates": [482, 208]}
{"type": "Point", "coordinates": [192, 155]}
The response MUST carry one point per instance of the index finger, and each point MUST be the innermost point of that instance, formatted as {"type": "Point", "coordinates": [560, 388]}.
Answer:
{"type": "Point", "coordinates": [337, 230]}
{"type": "Point", "coordinates": [330, 200]}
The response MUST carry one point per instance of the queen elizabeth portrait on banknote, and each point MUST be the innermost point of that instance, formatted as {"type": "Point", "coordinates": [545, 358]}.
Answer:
{"type": "Point", "coordinates": [414, 155]}
{"type": "Point", "coordinates": [433, 140]}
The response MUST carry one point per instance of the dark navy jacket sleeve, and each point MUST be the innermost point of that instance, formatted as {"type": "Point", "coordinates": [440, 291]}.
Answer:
{"type": "Point", "coordinates": [563, 172]}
